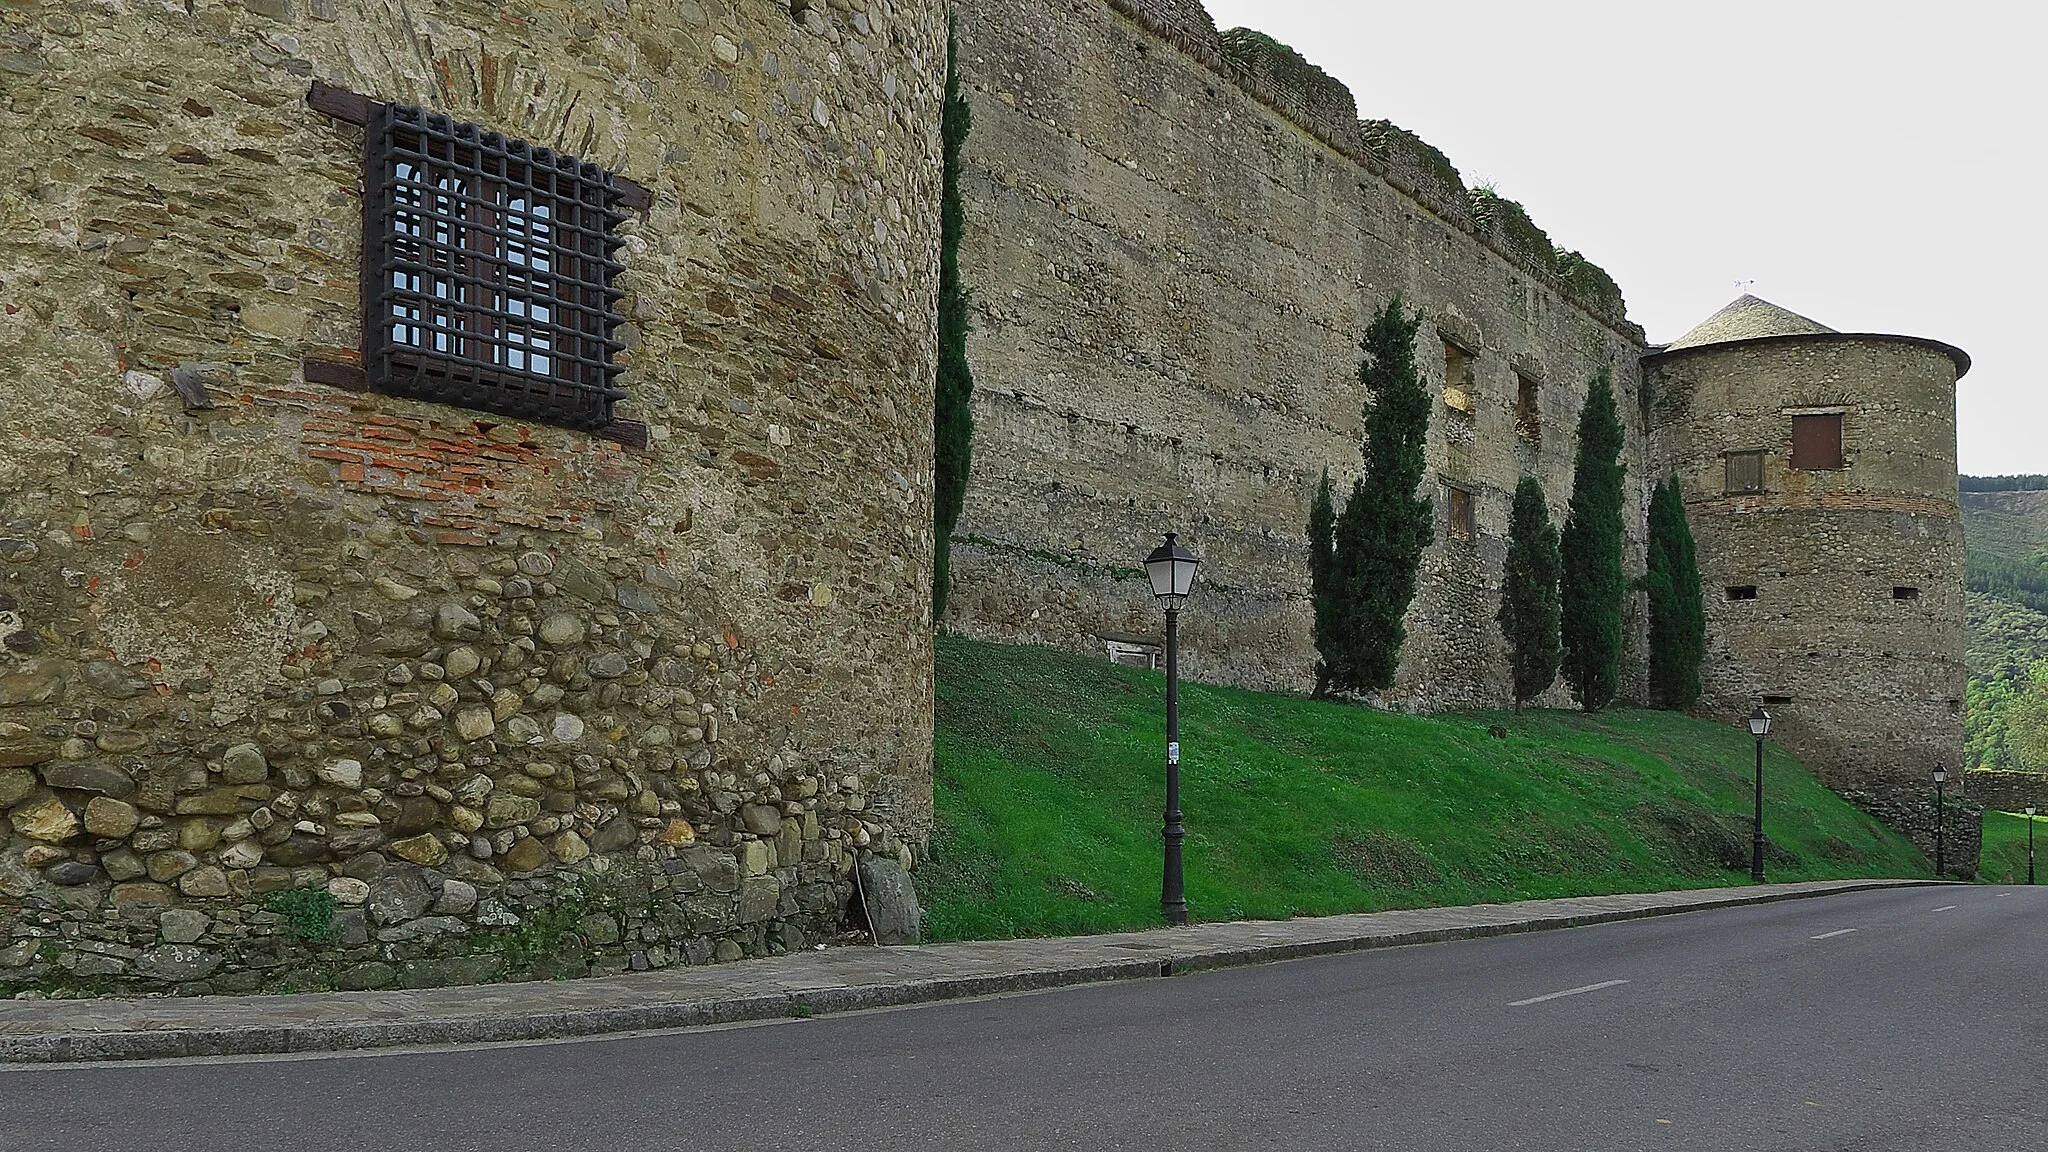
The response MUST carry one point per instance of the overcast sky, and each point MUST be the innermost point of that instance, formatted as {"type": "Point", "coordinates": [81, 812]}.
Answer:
{"type": "Point", "coordinates": [1878, 167]}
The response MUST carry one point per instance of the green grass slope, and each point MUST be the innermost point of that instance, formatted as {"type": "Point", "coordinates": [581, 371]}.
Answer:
{"type": "Point", "coordinates": [2005, 848]}
{"type": "Point", "coordinates": [1048, 779]}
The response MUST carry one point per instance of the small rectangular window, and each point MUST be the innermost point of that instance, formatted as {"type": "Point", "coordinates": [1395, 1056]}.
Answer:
{"type": "Point", "coordinates": [488, 271]}
{"type": "Point", "coordinates": [1463, 523]}
{"type": "Point", "coordinates": [1902, 592]}
{"type": "Point", "coordinates": [1528, 413]}
{"type": "Point", "coordinates": [1777, 701]}
{"type": "Point", "coordinates": [1742, 592]}
{"type": "Point", "coordinates": [1461, 377]}
{"type": "Point", "coordinates": [1744, 472]}
{"type": "Point", "coordinates": [1817, 441]}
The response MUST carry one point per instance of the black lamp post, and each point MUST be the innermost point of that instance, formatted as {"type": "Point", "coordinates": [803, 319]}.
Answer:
{"type": "Point", "coordinates": [1940, 818]}
{"type": "Point", "coordinates": [2030, 843]}
{"type": "Point", "coordinates": [1759, 727]}
{"type": "Point", "coordinates": [1172, 571]}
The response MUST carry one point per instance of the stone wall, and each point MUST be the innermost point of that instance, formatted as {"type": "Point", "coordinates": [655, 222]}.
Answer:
{"type": "Point", "coordinates": [1854, 635]}
{"type": "Point", "coordinates": [519, 700]}
{"type": "Point", "coordinates": [2006, 791]}
{"type": "Point", "coordinates": [1175, 247]}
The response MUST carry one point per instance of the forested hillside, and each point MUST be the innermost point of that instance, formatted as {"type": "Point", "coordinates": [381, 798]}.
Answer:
{"type": "Point", "coordinates": [2005, 523]}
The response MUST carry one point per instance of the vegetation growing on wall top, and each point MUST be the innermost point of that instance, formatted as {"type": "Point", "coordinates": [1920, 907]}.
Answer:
{"type": "Point", "coordinates": [1405, 152]}
{"type": "Point", "coordinates": [1497, 215]}
{"type": "Point", "coordinates": [1292, 78]}
{"type": "Point", "coordinates": [1589, 284]}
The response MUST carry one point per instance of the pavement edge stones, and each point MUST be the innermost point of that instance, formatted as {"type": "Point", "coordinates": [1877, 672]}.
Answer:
{"type": "Point", "coordinates": [714, 1009]}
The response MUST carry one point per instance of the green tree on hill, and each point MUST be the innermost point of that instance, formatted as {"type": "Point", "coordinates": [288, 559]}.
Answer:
{"type": "Point", "coordinates": [1528, 601]}
{"type": "Point", "coordinates": [1678, 615]}
{"type": "Point", "coordinates": [952, 403]}
{"type": "Point", "coordinates": [2026, 720]}
{"type": "Point", "coordinates": [1594, 587]}
{"type": "Point", "coordinates": [1322, 564]}
{"type": "Point", "coordinates": [1384, 527]}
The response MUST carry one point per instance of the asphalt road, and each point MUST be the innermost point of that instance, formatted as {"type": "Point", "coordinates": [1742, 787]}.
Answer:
{"type": "Point", "coordinates": [1904, 1019]}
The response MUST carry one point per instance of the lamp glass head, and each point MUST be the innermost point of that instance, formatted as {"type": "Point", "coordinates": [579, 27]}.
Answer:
{"type": "Point", "coordinates": [1941, 775]}
{"type": "Point", "coordinates": [1760, 722]}
{"type": "Point", "coordinates": [1171, 568]}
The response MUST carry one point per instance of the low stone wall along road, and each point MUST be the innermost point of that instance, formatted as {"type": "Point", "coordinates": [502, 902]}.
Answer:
{"type": "Point", "coordinates": [1806, 1024]}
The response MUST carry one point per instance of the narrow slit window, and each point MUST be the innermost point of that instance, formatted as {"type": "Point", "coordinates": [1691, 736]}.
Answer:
{"type": "Point", "coordinates": [1817, 442]}
{"type": "Point", "coordinates": [489, 270]}
{"type": "Point", "coordinates": [1528, 412]}
{"type": "Point", "coordinates": [1461, 377]}
{"type": "Point", "coordinates": [1905, 592]}
{"type": "Point", "coordinates": [1463, 523]}
{"type": "Point", "coordinates": [1742, 592]}
{"type": "Point", "coordinates": [1744, 472]}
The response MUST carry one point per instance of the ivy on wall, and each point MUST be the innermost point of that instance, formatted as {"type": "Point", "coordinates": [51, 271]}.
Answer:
{"type": "Point", "coordinates": [952, 407]}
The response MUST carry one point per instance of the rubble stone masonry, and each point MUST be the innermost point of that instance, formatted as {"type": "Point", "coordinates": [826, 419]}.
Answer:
{"type": "Point", "coordinates": [1834, 596]}
{"type": "Point", "coordinates": [518, 698]}
{"type": "Point", "coordinates": [1174, 257]}
{"type": "Point", "coordinates": [304, 686]}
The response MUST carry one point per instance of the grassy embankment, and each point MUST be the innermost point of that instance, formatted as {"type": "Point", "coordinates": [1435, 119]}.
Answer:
{"type": "Point", "coordinates": [2005, 848]}
{"type": "Point", "coordinates": [1048, 780]}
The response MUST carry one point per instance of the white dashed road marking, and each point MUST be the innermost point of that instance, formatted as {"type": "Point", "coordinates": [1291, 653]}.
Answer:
{"type": "Point", "coordinates": [1835, 933]}
{"type": "Point", "coordinates": [1946, 908]}
{"type": "Point", "coordinates": [1566, 992]}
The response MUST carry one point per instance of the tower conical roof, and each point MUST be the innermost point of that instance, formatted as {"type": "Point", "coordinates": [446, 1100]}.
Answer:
{"type": "Point", "coordinates": [1747, 318]}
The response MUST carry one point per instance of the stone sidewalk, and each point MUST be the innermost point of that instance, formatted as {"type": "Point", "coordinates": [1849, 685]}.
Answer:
{"type": "Point", "coordinates": [807, 983]}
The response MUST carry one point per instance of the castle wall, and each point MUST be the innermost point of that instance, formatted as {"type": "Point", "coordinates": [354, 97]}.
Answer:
{"type": "Point", "coordinates": [1866, 686]}
{"type": "Point", "coordinates": [1176, 244]}
{"type": "Point", "coordinates": [521, 699]}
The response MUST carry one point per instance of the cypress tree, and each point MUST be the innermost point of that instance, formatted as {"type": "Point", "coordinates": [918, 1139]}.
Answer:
{"type": "Point", "coordinates": [1384, 526]}
{"type": "Point", "coordinates": [952, 402]}
{"type": "Point", "coordinates": [1528, 596]}
{"type": "Point", "coordinates": [1322, 564]}
{"type": "Point", "coordinates": [1593, 587]}
{"type": "Point", "coordinates": [1678, 616]}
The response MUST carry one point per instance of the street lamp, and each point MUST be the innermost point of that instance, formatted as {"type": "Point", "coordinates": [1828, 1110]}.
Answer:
{"type": "Point", "coordinates": [1759, 727]}
{"type": "Point", "coordinates": [1940, 817]}
{"type": "Point", "coordinates": [2030, 843]}
{"type": "Point", "coordinates": [1172, 571]}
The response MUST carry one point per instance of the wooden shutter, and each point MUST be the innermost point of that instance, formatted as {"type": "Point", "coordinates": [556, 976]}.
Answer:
{"type": "Point", "coordinates": [1817, 441]}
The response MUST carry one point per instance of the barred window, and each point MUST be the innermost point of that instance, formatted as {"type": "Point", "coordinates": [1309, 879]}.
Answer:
{"type": "Point", "coordinates": [489, 271]}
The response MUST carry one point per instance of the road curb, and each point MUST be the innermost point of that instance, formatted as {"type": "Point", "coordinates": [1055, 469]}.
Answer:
{"type": "Point", "coordinates": [707, 1010]}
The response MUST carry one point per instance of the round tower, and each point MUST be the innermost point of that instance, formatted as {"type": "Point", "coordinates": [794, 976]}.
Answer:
{"type": "Point", "coordinates": [461, 472]}
{"type": "Point", "coordinates": [1819, 469]}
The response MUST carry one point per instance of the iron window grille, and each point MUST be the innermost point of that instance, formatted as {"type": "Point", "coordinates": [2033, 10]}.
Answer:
{"type": "Point", "coordinates": [489, 271]}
